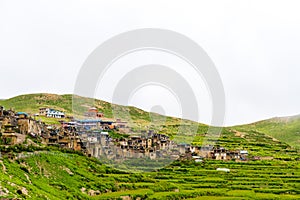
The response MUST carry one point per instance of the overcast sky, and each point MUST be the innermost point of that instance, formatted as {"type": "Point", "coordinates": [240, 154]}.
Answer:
{"type": "Point", "coordinates": [255, 46]}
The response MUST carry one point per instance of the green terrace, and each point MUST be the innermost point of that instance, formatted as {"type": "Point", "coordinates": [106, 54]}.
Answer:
{"type": "Point", "coordinates": [59, 175]}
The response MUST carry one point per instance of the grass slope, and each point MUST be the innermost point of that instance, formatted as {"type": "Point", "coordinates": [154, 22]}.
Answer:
{"type": "Point", "coordinates": [58, 175]}
{"type": "Point", "coordinates": [285, 129]}
{"type": "Point", "coordinates": [139, 119]}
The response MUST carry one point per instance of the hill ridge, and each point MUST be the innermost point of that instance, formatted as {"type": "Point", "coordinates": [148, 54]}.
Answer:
{"type": "Point", "coordinates": [285, 129]}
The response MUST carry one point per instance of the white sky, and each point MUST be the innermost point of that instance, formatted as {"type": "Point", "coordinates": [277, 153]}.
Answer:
{"type": "Point", "coordinates": [255, 46]}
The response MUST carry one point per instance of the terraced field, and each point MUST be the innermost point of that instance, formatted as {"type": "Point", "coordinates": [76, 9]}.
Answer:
{"type": "Point", "coordinates": [285, 129]}
{"type": "Point", "coordinates": [58, 175]}
{"type": "Point", "coordinates": [258, 144]}
{"type": "Point", "coordinates": [248, 180]}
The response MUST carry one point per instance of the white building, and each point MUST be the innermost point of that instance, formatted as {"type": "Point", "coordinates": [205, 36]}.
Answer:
{"type": "Point", "coordinates": [54, 113]}
{"type": "Point", "coordinates": [92, 139]}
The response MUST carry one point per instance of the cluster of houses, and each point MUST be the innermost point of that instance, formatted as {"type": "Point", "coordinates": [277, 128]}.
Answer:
{"type": "Point", "coordinates": [51, 112]}
{"type": "Point", "coordinates": [15, 126]}
{"type": "Point", "coordinates": [150, 145]}
{"type": "Point", "coordinates": [92, 136]}
{"type": "Point", "coordinates": [83, 125]}
{"type": "Point", "coordinates": [154, 146]}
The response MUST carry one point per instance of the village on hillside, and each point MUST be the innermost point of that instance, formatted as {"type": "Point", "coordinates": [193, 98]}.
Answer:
{"type": "Point", "coordinates": [96, 137]}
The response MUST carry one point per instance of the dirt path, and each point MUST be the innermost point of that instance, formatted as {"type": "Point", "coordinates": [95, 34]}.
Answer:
{"type": "Point", "coordinates": [3, 167]}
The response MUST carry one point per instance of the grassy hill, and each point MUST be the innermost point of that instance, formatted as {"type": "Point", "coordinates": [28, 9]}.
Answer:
{"type": "Point", "coordinates": [56, 174]}
{"type": "Point", "coordinates": [140, 120]}
{"type": "Point", "coordinates": [285, 129]}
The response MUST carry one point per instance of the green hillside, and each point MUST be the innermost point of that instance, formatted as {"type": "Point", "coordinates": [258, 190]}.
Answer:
{"type": "Point", "coordinates": [51, 173]}
{"type": "Point", "coordinates": [140, 120]}
{"type": "Point", "coordinates": [66, 175]}
{"type": "Point", "coordinates": [285, 129]}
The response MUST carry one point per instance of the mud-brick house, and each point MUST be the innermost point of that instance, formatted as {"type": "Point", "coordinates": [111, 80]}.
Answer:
{"type": "Point", "coordinates": [149, 143]}
{"type": "Point", "coordinates": [142, 142]}
{"type": "Point", "coordinates": [93, 113]}
{"type": "Point", "coordinates": [70, 126]}
{"type": "Point", "coordinates": [89, 124]}
{"type": "Point", "coordinates": [52, 139]}
{"type": "Point", "coordinates": [43, 111]}
{"type": "Point", "coordinates": [182, 148]}
{"type": "Point", "coordinates": [104, 138]}
{"type": "Point", "coordinates": [23, 122]}
{"type": "Point", "coordinates": [152, 154]}
{"type": "Point", "coordinates": [9, 135]}
{"type": "Point", "coordinates": [76, 143]}
{"type": "Point", "coordinates": [27, 125]}
{"type": "Point", "coordinates": [107, 125]}
{"type": "Point", "coordinates": [69, 142]}
{"type": "Point", "coordinates": [121, 126]}
{"type": "Point", "coordinates": [9, 125]}
{"type": "Point", "coordinates": [64, 139]}
{"type": "Point", "coordinates": [23, 125]}
{"type": "Point", "coordinates": [22, 115]}
{"type": "Point", "coordinates": [158, 137]}
{"type": "Point", "coordinates": [204, 151]}
{"type": "Point", "coordinates": [163, 144]}
{"type": "Point", "coordinates": [9, 119]}
{"type": "Point", "coordinates": [193, 149]}
{"type": "Point", "coordinates": [219, 153]}
{"type": "Point", "coordinates": [95, 150]}
{"type": "Point", "coordinates": [123, 143]}
{"type": "Point", "coordinates": [233, 155]}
